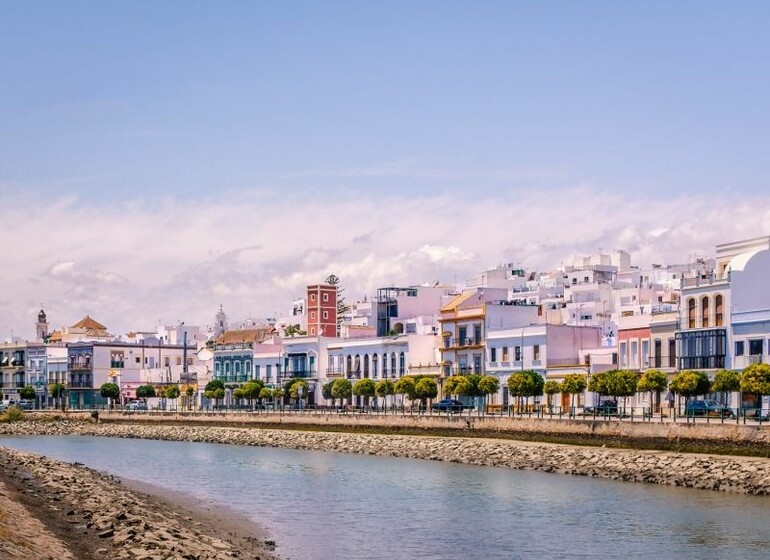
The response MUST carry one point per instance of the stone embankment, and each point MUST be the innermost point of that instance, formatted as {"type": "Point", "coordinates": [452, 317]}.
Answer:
{"type": "Point", "coordinates": [748, 475]}
{"type": "Point", "coordinates": [101, 518]}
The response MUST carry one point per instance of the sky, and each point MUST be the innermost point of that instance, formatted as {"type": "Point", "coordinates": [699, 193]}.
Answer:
{"type": "Point", "coordinates": [158, 159]}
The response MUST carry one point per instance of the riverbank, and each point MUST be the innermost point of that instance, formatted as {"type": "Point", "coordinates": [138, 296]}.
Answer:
{"type": "Point", "coordinates": [55, 510]}
{"type": "Point", "coordinates": [748, 475]}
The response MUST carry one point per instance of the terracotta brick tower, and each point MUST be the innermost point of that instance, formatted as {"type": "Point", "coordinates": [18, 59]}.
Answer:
{"type": "Point", "coordinates": [322, 310]}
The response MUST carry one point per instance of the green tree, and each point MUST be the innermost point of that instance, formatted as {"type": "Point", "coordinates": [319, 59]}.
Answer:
{"type": "Point", "coordinates": [689, 383]}
{"type": "Point", "coordinates": [326, 392]}
{"type": "Point", "coordinates": [488, 385]}
{"type": "Point", "coordinates": [756, 379]}
{"type": "Point", "coordinates": [298, 389]}
{"type": "Point", "coordinates": [342, 389]}
{"type": "Point", "coordinates": [265, 393]}
{"type": "Point", "coordinates": [342, 307]}
{"type": "Point", "coordinates": [28, 392]}
{"type": "Point", "coordinates": [454, 385]}
{"type": "Point", "coordinates": [171, 392]}
{"type": "Point", "coordinates": [189, 392]}
{"type": "Point", "coordinates": [57, 391]}
{"type": "Point", "coordinates": [251, 390]}
{"type": "Point", "coordinates": [425, 388]}
{"type": "Point", "coordinates": [293, 330]}
{"type": "Point", "coordinates": [215, 390]}
{"type": "Point", "coordinates": [525, 384]}
{"type": "Point", "coordinates": [384, 389]}
{"type": "Point", "coordinates": [364, 388]}
{"type": "Point", "coordinates": [405, 387]}
{"type": "Point", "coordinates": [145, 392]}
{"type": "Point", "coordinates": [726, 381]}
{"type": "Point", "coordinates": [277, 394]}
{"type": "Point", "coordinates": [573, 384]}
{"type": "Point", "coordinates": [550, 388]}
{"type": "Point", "coordinates": [616, 383]}
{"type": "Point", "coordinates": [653, 381]}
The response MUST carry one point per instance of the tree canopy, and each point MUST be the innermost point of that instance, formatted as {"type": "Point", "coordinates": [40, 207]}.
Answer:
{"type": "Point", "coordinates": [652, 380]}
{"type": "Point", "coordinates": [756, 379]}
{"type": "Point", "coordinates": [28, 392]}
{"type": "Point", "coordinates": [689, 383]}
{"type": "Point", "coordinates": [364, 388]}
{"type": "Point", "coordinates": [726, 381]}
{"type": "Point", "coordinates": [614, 383]}
{"type": "Point", "coordinates": [342, 389]}
{"type": "Point", "coordinates": [145, 392]}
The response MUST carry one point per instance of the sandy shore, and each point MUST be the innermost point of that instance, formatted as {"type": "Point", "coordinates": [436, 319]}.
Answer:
{"type": "Point", "coordinates": [55, 510]}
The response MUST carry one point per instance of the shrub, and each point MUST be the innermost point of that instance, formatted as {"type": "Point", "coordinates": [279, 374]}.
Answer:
{"type": "Point", "coordinates": [13, 414]}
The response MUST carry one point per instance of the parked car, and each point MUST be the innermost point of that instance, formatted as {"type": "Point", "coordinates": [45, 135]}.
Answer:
{"type": "Point", "coordinates": [704, 407]}
{"type": "Point", "coordinates": [604, 408]}
{"type": "Point", "coordinates": [450, 405]}
{"type": "Point", "coordinates": [136, 405]}
{"type": "Point", "coordinates": [26, 404]}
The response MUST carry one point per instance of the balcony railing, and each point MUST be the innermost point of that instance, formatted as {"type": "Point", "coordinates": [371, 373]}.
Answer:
{"type": "Point", "coordinates": [300, 373]}
{"type": "Point", "coordinates": [331, 372]}
{"type": "Point", "coordinates": [755, 359]}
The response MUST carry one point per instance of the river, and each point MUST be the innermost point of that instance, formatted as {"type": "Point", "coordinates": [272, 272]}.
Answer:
{"type": "Point", "coordinates": [321, 506]}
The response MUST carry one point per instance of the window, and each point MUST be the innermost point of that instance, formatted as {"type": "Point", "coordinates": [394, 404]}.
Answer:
{"type": "Point", "coordinates": [268, 372]}
{"type": "Point", "coordinates": [691, 313]}
{"type": "Point", "coordinates": [718, 304]}
{"type": "Point", "coordinates": [167, 361]}
{"type": "Point", "coordinates": [138, 360]}
{"type": "Point", "coordinates": [312, 331]}
{"type": "Point", "coordinates": [505, 353]}
{"type": "Point", "coordinates": [517, 353]}
{"type": "Point", "coordinates": [179, 360]}
{"type": "Point", "coordinates": [256, 371]}
{"type": "Point", "coordinates": [585, 279]}
{"type": "Point", "coordinates": [493, 354]}
{"type": "Point", "coordinates": [312, 297]}
{"type": "Point", "coordinates": [237, 368]}
{"type": "Point", "coordinates": [755, 347]}
{"type": "Point", "coordinates": [476, 334]}
{"type": "Point", "coordinates": [536, 352]}
{"type": "Point", "coordinates": [326, 297]}
{"type": "Point", "coordinates": [739, 348]}
{"type": "Point", "coordinates": [247, 367]}
{"type": "Point", "coordinates": [326, 315]}
{"type": "Point", "coordinates": [312, 314]}
{"type": "Point", "coordinates": [218, 368]}
{"type": "Point", "coordinates": [463, 335]}
{"type": "Point", "coordinates": [705, 311]}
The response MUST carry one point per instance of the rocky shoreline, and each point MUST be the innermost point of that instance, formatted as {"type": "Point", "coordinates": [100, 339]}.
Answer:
{"type": "Point", "coordinates": [51, 509]}
{"type": "Point", "coordinates": [748, 475]}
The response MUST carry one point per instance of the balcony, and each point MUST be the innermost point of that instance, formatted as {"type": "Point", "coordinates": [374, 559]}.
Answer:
{"type": "Point", "coordinates": [299, 373]}
{"type": "Point", "coordinates": [240, 378]}
{"type": "Point", "coordinates": [331, 372]}
{"type": "Point", "coordinates": [755, 359]}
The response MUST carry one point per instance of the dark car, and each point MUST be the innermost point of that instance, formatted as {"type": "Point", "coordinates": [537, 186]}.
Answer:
{"type": "Point", "coordinates": [26, 404]}
{"type": "Point", "coordinates": [604, 408]}
{"type": "Point", "coordinates": [707, 408]}
{"type": "Point", "coordinates": [449, 405]}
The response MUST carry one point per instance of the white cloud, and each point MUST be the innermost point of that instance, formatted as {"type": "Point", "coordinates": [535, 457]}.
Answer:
{"type": "Point", "coordinates": [131, 264]}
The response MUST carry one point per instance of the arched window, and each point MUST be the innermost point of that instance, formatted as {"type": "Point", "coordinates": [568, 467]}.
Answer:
{"type": "Point", "coordinates": [218, 368]}
{"type": "Point", "coordinates": [374, 365]}
{"type": "Point", "coordinates": [402, 364]}
{"type": "Point", "coordinates": [349, 365]}
{"type": "Point", "coordinates": [366, 365]}
{"type": "Point", "coordinates": [227, 368]}
{"type": "Point", "coordinates": [718, 304]}
{"type": "Point", "coordinates": [237, 367]}
{"type": "Point", "coordinates": [393, 363]}
{"type": "Point", "coordinates": [704, 310]}
{"type": "Point", "coordinates": [384, 365]}
{"type": "Point", "coordinates": [691, 313]}
{"type": "Point", "coordinates": [247, 367]}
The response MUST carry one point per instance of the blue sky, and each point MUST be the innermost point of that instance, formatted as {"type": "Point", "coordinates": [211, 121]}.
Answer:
{"type": "Point", "coordinates": [180, 106]}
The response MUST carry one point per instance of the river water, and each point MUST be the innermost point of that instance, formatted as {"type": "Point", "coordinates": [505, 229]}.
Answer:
{"type": "Point", "coordinates": [322, 506]}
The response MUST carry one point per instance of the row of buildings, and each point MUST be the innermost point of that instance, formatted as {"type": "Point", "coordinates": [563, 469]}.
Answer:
{"type": "Point", "coordinates": [595, 314]}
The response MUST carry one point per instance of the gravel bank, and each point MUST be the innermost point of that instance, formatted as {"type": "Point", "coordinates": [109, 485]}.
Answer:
{"type": "Point", "coordinates": [746, 475]}
{"type": "Point", "coordinates": [67, 511]}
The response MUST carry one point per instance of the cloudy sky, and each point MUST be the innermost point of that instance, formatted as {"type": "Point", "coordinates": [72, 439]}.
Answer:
{"type": "Point", "coordinates": [160, 158]}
